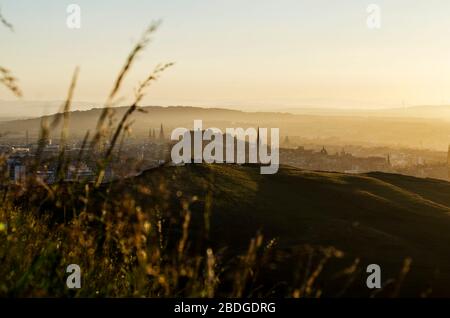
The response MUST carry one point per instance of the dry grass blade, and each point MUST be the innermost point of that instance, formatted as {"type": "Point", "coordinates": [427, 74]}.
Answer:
{"type": "Point", "coordinates": [139, 95]}
{"type": "Point", "coordinates": [65, 109]}
{"type": "Point", "coordinates": [44, 133]}
{"type": "Point", "coordinates": [143, 42]}
{"type": "Point", "coordinates": [66, 117]}
{"type": "Point", "coordinates": [10, 81]}
{"type": "Point", "coordinates": [5, 22]}
{"type": "Point", "coordinates": [151, 78]}
{"type": "Point", "coordinates": [5, 75]}
{"type": "Point", "coordinates": [140, 46]}
{"type": "Point", "coordinates": [81, 153]}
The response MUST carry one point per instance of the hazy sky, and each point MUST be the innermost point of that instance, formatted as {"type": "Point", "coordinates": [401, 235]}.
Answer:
{"type": "Point", "coordinates": [252, 53]}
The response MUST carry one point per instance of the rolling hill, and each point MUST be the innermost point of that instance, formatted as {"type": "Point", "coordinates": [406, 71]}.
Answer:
{"type": "Point", "coordinates": [379, 218]}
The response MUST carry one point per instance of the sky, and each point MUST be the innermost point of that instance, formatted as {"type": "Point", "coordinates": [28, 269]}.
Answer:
{"type": "Point", "coordinates": [253, 54]}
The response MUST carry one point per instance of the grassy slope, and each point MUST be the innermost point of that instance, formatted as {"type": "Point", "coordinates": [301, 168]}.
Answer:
{"type": "Point", "coordinates": [380, 218]}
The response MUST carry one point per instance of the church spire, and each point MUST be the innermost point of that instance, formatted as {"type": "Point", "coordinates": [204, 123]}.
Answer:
{"type": "Point", "coordinates": [257, 138]}
{"type": "Point", "coordinates": [161, 132]}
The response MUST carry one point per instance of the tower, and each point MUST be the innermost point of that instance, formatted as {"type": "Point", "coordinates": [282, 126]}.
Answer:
{"type": "Point", "coordinates": [257, 136]}
{"type": "Point", "coordinates": [257, 146]}
{"type": "Point", "coordinates": [161, 133]}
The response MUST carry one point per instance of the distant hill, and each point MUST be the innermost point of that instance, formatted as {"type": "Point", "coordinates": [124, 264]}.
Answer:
{"type": "Point", "coordinates": [337, 130]}
{"type": "Point", "coordinates": [380, 218]}
{"type": "Point", "coordinates": [423, 112]}
{"type": "Point", "coordinates": [20, 109]}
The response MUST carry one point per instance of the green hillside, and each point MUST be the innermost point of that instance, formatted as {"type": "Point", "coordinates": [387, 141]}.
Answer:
{"type": "Point", "coordinates": [379, 218]}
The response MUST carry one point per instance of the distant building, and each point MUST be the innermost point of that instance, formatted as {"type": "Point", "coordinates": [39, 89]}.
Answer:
{"type": "Point", "coordinates": [16, 168]}
{"type": "Point", "coordinates": [161, 133]}
{"type": "Point", "coordinates": [323, 161]}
